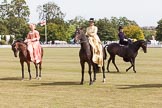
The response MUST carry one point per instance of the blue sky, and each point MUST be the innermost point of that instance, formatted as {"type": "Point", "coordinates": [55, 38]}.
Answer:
{"type": "Point", "coordinates": [144, 12]}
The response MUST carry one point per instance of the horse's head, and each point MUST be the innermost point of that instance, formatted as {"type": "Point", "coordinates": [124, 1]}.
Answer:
{"type": "Point", "coordinates": [19, 46]}
{"type": "Point", "coordinates": [14, 47]}
{"type": "Point", "coordinates": [78, 34]}
{"type": "Point", "coordinates": [144, 45]}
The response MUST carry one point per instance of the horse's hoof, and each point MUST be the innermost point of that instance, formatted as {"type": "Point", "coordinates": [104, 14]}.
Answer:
{"type": "Point", "coordinates": [22, 79]}
{"type": "Point", "coordinates": [39, 78]}
{"type": "Point", "coordinates": [104, 80]}
{"type": "Point", "coordinates": [134, 71]}
{"type": "Point", "coordinates": [81, 83]}
{"type": "Point", "coordinates": [94, 80]}
{"type": "Point", "coordinates": [126, 70]}
{"type": "Point", "coordinates": [90, 83]}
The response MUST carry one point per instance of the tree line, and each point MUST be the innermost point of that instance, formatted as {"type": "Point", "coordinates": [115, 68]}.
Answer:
{"type": "Point", "coordinates": [15, 17]}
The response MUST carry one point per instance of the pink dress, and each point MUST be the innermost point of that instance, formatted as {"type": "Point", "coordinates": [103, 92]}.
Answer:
{"type": "Point", "coordinates": [34, 46]}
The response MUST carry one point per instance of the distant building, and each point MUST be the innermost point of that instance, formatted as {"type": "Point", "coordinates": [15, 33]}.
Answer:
{"type": "Point", "coordinates": [153, 41]}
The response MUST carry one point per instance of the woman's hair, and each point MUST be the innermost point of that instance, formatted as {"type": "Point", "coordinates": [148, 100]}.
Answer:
{"type": "Point", "coordinates": [32, 24]}
{"type": "Point", "coordinates": [120, 27]}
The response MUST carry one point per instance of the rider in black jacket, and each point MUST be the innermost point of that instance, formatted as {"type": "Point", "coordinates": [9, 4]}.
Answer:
{"type": "Point", "coordinates": [123, 40]}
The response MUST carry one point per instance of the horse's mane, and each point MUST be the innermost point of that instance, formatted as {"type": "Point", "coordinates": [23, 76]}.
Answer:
{"type": "Point", "coordinates": [139, 41]}
{"type": "Point", "coordinates": [19, 40]}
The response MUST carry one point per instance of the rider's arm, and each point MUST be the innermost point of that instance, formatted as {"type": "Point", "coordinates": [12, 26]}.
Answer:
{"type": "Point", "coordinates": [37, 36]}
{"type": "Point", "coordinates": [27, 38]}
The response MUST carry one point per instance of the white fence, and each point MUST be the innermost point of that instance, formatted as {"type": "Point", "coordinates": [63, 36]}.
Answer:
{"type": "Point", "coordinates": [50, 46]}
{"type": "Point", "coordinates": [75, 46]}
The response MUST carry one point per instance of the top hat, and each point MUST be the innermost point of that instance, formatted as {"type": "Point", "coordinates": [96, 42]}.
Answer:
{"type": "Point", "coordinates": [91, 20]}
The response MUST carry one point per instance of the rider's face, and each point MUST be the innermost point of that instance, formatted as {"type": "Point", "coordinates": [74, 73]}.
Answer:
{"type": "Point", "coordinates": [121, 30]}
{"type": "Point", "coordinates": [32, 26]}
{"type": "Point", "coordinates": [91, 23]}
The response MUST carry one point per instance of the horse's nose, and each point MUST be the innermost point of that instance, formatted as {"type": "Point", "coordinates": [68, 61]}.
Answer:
{"type": "Point", "coordinates": [15, 54]}
{"type": "Point", "coordinates": [75, 40]}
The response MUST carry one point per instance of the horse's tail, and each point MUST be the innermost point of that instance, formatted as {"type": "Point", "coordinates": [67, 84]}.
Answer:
{"type": "Point", "coordinates": [104, 51]}
{"type": "Point", "coordinates": [42, 52]}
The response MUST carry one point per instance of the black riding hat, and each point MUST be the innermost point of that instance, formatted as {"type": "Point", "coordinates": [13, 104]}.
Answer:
{"type": "Point", "coordinates": [120, 27]}
{"type": "Point", "coordinates": [91, 20]}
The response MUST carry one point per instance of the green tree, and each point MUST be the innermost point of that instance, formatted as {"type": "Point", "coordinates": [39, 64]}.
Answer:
{"type": "Point", "coordinates": [41, 30]}
{"type": "Point", "coordinates": [70, 32]}
{"type": "Point", "coordinates": [50, 11]}
{"type": "Point", "coordinates": [3, 27]}
{"type": "Point", "coordinates": [126, 22]}
{"type": "Point", "coordinates": [18, 16]}
{"type": "Point", "coordinates": [149, 33]}
{"type": "Point", "coordinates": [108, 29]}
{"type": "Point", "coordinates": [159, 30]}
{"type": "Point", "coordinates": [57, 28]}
{"type": "Point", "coordinates": [79, 21]}
{"type": "Point", "coordinates": [18, 27]}
{"type": "Point", "coordinates": [60, 31]}
{"type": "Point", "coordinates": [105, 30]}
{"type": "Point", "coordinates": [4, 8]}
{"type": "Point", "coordinates": [19, 8]}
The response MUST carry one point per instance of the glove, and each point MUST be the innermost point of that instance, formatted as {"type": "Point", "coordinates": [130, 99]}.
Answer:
{"type": "Point", "coordinates": [125, 39]}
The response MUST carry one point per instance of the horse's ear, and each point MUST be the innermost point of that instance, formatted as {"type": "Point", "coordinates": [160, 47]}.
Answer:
{"type": "Point", "coordinates": [13, 43]}
{"type": "Point", "coordinates": [81, 28]}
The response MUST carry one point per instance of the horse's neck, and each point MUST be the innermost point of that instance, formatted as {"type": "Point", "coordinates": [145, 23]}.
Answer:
{"type": "Point", "coordinates": [84, 42]}
{"type": "Point", "coordinates": [136, 46]}
{"type": "Point", "coordinates": [22, 47]}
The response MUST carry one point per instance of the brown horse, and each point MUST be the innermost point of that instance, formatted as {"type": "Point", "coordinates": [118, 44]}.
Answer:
{"type": "Point", "coordinates": [21, 47]}
{"type": "Point", "coordinates": [85, 55]}
{"type": "Point", "coordinates": [128, 53]}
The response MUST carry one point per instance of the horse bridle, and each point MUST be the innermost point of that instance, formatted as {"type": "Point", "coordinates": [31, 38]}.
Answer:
{"type": "Point", "coordinates": [85, 41]}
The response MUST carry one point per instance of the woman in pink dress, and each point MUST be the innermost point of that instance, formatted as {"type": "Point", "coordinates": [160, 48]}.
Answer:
{"type": "Point", "coordinates": [34, 46]}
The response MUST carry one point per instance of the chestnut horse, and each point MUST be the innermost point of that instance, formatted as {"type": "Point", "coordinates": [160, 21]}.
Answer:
{"type": "Point", "coordinates": [21, 47]}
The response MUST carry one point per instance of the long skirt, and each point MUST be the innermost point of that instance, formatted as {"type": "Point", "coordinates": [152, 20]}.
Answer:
{"type": "Point", "coordinates": [34, 49]}
{"type": "Point", "coordinates": [97, 51]}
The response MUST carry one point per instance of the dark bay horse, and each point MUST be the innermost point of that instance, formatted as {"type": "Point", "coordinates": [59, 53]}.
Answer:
{"type": "Point", "coordinates": [21, 47]}
{"type": "Point", "coordinates": [85, 55]}
{"type": "Point", "coordinates": [128, 53]}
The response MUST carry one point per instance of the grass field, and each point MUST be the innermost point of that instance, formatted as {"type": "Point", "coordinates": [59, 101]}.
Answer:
{"type": "Point", "coordinates": [59, 86]}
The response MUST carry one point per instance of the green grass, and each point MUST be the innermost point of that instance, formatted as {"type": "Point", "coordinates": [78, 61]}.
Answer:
{"type": "Point", "coordinates": [59, 86]}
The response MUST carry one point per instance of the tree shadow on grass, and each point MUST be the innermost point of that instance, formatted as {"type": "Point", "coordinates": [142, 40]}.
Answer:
{"type": "Point", "coordinates": [115, 72]}
{"type": "Point", "coordinates": [10, 78]}
{"type": "Point", "coordinates": [140, 86]}
{"type": "Point", "coordinates": [61, 83]}
{"type": "Point", "coordinates": [56, 84]}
